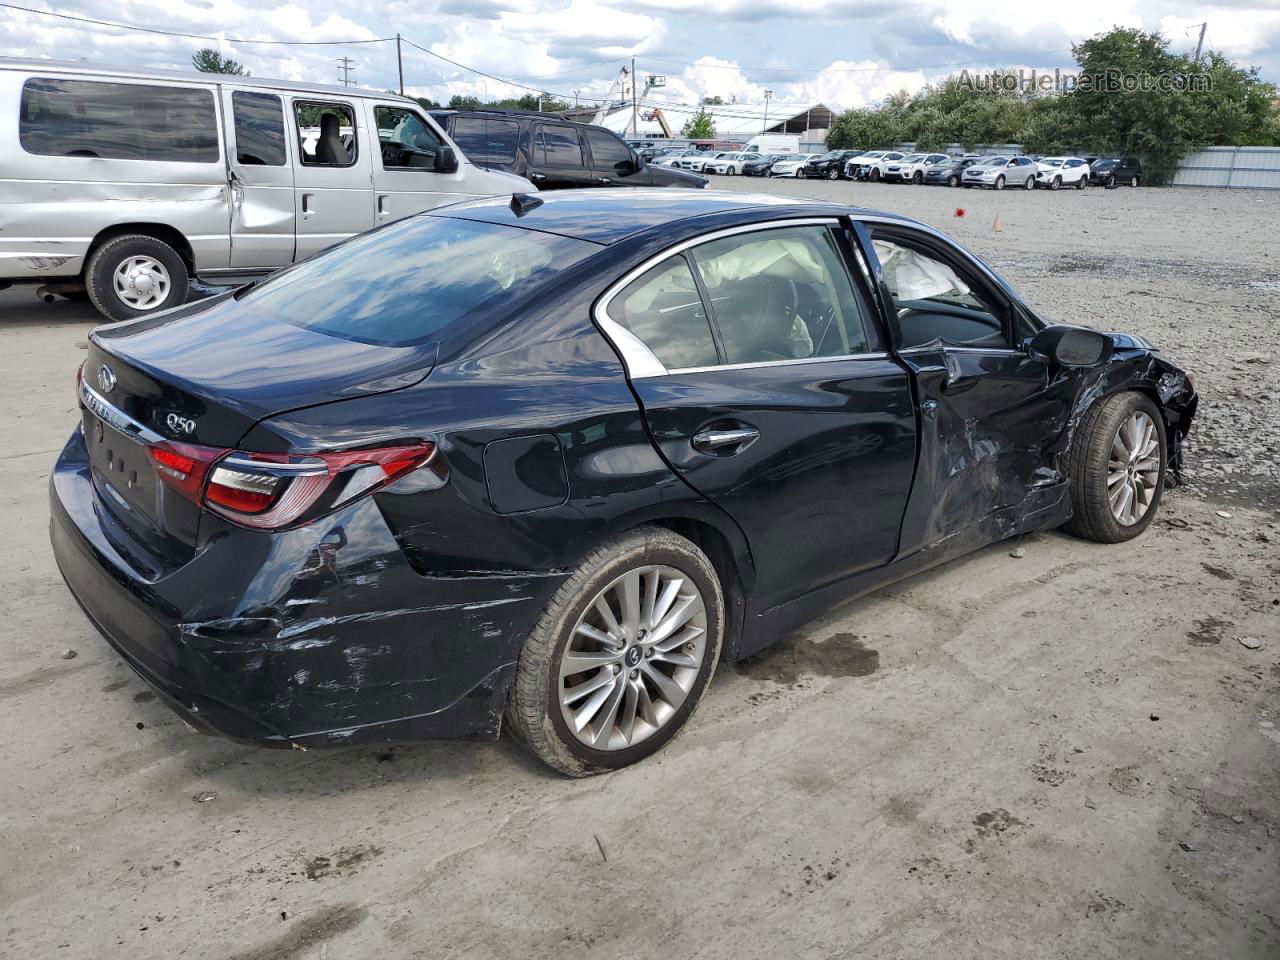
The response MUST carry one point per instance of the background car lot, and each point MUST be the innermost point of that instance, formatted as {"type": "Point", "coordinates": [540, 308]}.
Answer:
{"type": "Point", "coordinates": [966, 758]}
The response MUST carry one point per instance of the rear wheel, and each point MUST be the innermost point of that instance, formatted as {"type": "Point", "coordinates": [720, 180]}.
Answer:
{"type": "Point", "coordinates": [618, 661]}
{"type": "Point", "coordinates": [1116, 468]}
{"type": "Point", "coordinates": [135, 275]}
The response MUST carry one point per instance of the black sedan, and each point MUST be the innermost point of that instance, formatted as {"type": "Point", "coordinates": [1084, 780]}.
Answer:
{"type": "Point", "coordinates": [761, 166]}
{"type": "Point", "coordinates": [548, 460]}
{"type": "Point", "coordinates": [829, 166]}
{"type": "Point", "coordinates": [948, 174]}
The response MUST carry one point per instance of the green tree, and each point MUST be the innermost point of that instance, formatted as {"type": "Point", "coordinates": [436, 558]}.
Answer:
{"type": "Point", "coordinates": [426, 103]}
{"type": "Point", "coordinates": [701, 126]}
{"type": "Point", "coordinates": [209, 60]}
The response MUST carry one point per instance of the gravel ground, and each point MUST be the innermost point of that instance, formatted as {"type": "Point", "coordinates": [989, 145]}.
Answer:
{"type": "Point", "coordinates": [1063, 755]}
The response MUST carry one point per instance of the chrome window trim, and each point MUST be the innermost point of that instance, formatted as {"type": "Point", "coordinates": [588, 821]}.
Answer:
{"type": "Point", "coordinates": [639, 360]}
{"type": "Point", "coordinates": [930, 348]}
{"type": "Point", "coordinates": [115, 417]}
{"type": "Point", "coordinates": [779, 363]}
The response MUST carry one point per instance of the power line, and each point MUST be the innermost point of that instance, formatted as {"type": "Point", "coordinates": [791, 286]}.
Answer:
{"type": "Point", "coordinates": [192, 36]}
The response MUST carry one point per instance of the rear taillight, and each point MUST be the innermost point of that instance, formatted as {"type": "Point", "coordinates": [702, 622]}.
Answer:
{"type": "Point", "coordinates": [269, 491]}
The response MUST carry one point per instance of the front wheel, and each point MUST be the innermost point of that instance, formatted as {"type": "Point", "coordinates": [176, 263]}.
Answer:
{"type": "Point", "coordinates": [953, 181]}
{"type": "Point", "coordinates": [999, 184]}
{"type": "Point", "coordinates": [1116, 468]}
{"type": "Point", "coordinates": [1029, 183]}
{"type": "Point", "coordinates": [1055, 183]}
{"type": "Point", "coordinates": [1082, 183]}
{"type": "Point", "coordinates": [1133, 181]}
{"type": "Point", "coordinates": [917, 178]}
{"type": "Point", "coordinates": [135, 275]}
{"type": "Point", "coordinates": [874, 176]}
{"type": "Point", "coordinates": [618, 661]}
{"type": "Point", "coordinates": [800, 174]}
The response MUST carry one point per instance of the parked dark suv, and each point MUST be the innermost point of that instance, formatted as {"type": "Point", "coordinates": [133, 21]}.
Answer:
{"type": "Point", "coordinates": [1126, 171]}
{"type": "Point", "coordinates": [554, 153]}
{"type": "Point", "coordinates": [830, 165]}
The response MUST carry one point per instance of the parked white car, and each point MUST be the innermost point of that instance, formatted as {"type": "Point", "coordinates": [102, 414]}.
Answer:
{"type": "Point", "coordinates": [872, 166]}
{"type": "Point", "coordinates": [910, 169]}
{"type": "Point", "coordinates": [729, 164]}
{"type": "Point", "coordinates": [791, 166]}
{"type": "Point", "coordinates": [1054, 173]}
{"type": "Point", "coordinates": [697, 162]}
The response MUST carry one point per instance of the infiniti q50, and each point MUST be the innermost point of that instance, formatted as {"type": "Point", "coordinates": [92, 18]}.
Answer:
{"type": "Point", "coordinates": [544, 462]}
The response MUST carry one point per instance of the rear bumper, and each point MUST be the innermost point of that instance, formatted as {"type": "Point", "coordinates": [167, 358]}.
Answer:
{"type": "Point", "coordinates": [322, 635]}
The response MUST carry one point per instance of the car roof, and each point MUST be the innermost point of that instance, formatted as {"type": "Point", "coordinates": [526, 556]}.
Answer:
{"type": "Point", "coordinates": [108, 70]}
{"type": "Point", "coordinates": [609, 216]}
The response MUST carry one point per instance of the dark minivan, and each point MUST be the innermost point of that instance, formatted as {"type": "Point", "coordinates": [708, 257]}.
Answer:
{"type": "Point", "coordinates": [555, 154]}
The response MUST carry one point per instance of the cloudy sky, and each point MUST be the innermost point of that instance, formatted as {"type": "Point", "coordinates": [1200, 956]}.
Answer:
{"type": "Point", "coordinates": [845, 53]}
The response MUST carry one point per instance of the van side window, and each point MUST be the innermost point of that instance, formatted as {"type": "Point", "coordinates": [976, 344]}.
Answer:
{"type": "Point", "coordinates": [406, 142]}
{"type": "Point", "coordinates": [118, 121]}
{"type": "Point", "coordinates": [259, 124]}
{"type": "Point", "coordinates": [326, 133]}
{"type": "Point", "coordinates": [487, 141]}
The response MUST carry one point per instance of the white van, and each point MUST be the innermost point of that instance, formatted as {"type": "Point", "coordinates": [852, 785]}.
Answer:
{"type": "Point", "coordinates": [124, 185]}
{"type": "Point", "coordinates": [768, 144]}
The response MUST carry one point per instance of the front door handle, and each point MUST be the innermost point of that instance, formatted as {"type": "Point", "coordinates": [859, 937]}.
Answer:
{"type": "Point", "coordinates": [603, 180]}
{"type": "Point", "coordinates": [719, 439]}
{"type": "Point", "coordinates": [537, 176]}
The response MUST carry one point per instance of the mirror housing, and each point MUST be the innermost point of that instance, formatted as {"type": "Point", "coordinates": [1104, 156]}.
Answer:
{"type": "Point", "coordinates": [446, 160]}
{"type": "Point", "coordinates": [1070, 346]}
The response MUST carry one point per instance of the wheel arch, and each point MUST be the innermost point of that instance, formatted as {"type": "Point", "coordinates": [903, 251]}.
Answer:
{"type": "Point", "coordinates": [159, 231]}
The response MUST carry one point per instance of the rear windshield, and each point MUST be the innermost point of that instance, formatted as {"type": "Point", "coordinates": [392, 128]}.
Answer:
{"type": "Point", "coordinates": [410, 282]}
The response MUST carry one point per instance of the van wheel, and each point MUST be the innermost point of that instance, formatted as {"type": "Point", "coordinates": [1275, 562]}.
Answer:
{"type": "Point", "coordinates": [618, 661]}
{"type": "Point", "coordinates": [1116, 468]}
{"type": "Point", "coordinates": [135, 275]}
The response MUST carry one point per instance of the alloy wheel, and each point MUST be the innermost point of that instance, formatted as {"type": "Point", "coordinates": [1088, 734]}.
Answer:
{"type": "Point", "coordinates": [1133, 468]}
{"type": "Point", "coordinates": [141, 282]}
{"type": "Point", "coordinates": [633, 657]}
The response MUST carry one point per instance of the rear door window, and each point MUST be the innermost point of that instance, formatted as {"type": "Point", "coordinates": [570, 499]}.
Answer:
{"type": "Point", "coordinates": [663, 310]}
{"type": "Point", "coordinates": [259, 126]}
{"type": "Point", "coordinates": [558, 146]}
{"type": "Point", "coordinates": [118, 121]}
{"type": "Point", "coordinates": [782, 294]}
{"type": "Point", "coordinates": [486, 140]}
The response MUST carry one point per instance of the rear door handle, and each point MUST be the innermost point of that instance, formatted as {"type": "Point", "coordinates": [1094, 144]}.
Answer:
{"type": "Point", "coordinates": [604, 180]}
{"type": "Point", "coordinates": [719, 439]}
{"type": "Point", "coordinates": [382, 204]}
{"type": "Point", "coordinates": [307, 205]}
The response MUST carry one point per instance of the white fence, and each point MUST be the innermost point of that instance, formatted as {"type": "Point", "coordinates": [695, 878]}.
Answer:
{"type": "Point", "coordinates": [1255, 168]}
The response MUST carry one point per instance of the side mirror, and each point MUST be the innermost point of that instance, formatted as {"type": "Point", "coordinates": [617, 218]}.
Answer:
{"type": "Point", "coordinates": [1070, 346]}
{"type": "Point", "coordinates": [446, 160]}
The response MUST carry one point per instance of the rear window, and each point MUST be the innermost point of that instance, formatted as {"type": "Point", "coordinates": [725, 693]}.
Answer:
{"type": "Point", "coordinates": [410, 282]}
{"type": "Point", "coordinates": [118, 121]}
{"type": "Point", "coordinates": [487, 141]}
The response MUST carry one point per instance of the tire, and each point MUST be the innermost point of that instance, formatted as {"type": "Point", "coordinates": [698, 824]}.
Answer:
{"type": "Point", "coordinates": [953, 181]}
{"type": "Point", "coordinates": [874, 176]}
{"type": "Point", "coordinates": [1082, 183]}
{"type": "Point", "coordinates": [800, 174]}
{"type": "Point", "coordinates": [729, 172]}
{"type": "Point", "coordinates": [1055, 183]}
{"type": "Point", "coordinates": [154, 258]}
{"type": "Point", "coordinates": [534, 710]}
{"type": "Point", "coordinates": [1095, 449]}
{"type": "Point", "coordinates": [1029, 184]}
{"type": "Point", "coordinates": [917, 178]}
{"type": "Point", "coordinates": [999, 184]}
{"type": "Point", "coordinates": [1110, 182]}
{"type": "Point", "coordinates": [1133, 182]}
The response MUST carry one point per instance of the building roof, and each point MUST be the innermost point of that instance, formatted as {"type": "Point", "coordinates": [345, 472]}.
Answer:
{"type": "Point", "coordinates": [738, 120]}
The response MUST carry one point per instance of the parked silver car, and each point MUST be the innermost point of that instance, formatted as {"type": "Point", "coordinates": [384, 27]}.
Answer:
{"type": "Point", "coordinates": [123, 185]}
{"type": "Point", "coordinates": [1002, 171]}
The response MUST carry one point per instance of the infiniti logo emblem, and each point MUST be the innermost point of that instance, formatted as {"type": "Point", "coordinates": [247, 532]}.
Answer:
{"type": "Point", "coordinates": [106, 378]}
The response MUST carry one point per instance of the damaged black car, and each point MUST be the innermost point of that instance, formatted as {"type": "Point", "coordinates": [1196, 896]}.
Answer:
{"type": "Point", "coordinates": [543, 463]}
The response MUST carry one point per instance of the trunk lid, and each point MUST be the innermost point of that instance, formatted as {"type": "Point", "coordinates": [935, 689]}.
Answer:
{"type": "Point", "coordinates": [206, 374]}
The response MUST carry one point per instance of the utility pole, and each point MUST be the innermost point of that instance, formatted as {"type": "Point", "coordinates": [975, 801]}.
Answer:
{"type": "Point", "coordinates": [344, 66]}
{"type": "Point", "coordinates": [575, 99]}
{"type": "Point", "coordinates": [1200, 43]}
{"type": "Point", "coordinates": [400, 64]}
{"type": "Point", "coordinates": [635, 125]}
{"type": "Point", "coordinates": [768, 95]}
